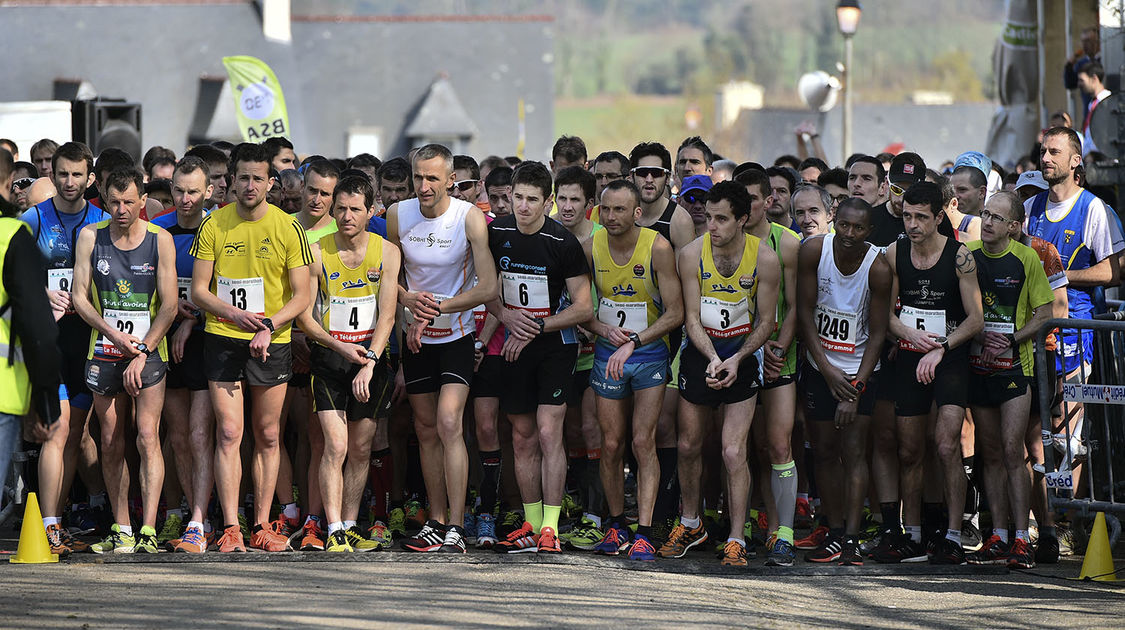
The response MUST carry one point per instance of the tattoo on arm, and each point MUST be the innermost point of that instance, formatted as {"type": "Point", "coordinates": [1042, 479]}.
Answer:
{"type": "Point", "coordinates": [965, 261]}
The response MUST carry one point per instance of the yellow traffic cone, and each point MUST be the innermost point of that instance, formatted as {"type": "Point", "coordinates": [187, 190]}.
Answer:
{"type": "Point", "coordinates": [34, 548]}
{"type": "Point", "coordinates": [1098, 563]}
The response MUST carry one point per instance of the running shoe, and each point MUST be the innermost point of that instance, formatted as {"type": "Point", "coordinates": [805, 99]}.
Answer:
{"type": "Point", "coordinates": [662, 529]}
{"type": "Point", "coordinates": [286, 526]}
{"type": "Point", "coordinates": [548, 541]}
{"type": "Point", "coordinates": [584, 536]}
{"type": "Point", "coordinates": [900, 548]}
{"type": "Point", "coordinates": [804, 514]}
{"type": "Point", "coordinates": [734, 554]}
{"type": "Point", "coordinates": [642, 550]}
{"type": "Point", "coordinates": [429, 538]}
{"type": "Point", "coordinates": [570, 507]}
{"type": "Point", "coordinates": [993, 551]}
{"type": "Point", "coordinates": [1046, 552]}
{"type": "Point", "coordinates": [879, 541]}
{"type": "Point", "coordinates": [470, 527]}
{"type": "Point", "coordinates": [337, 542]}
{"type": "Point", "coordinates": [312, 537]}
{"type": "Point", "coordinates": [850, 555]}
{"type": "Point", "coordinates": [231, 540]}
{"type": "Point", "coordinates": [55, 540]}
{"type": "Point", "coordinates": [77, 546]}
{"type": "Point", "coordinates": [193, 541]}
{"type": "Point", "coordinates": [173, 528]}
{"type": "Point", "coordinates": [971, 539]}
{"type": "Point", "coordinates": [947, 552]}
{"type": "Point", "coordinates": [115, 542]}
{"type": "Point", "coordinates": [268, 539]}
{"type": "Point", "coordinates": [682, 540]}
{"type": "Point", "coordinates": [781, 553]}
{"type": "Point", "coordinates": [513, 520]}
{"type": "Point", "coordinates": [486, 530]}
{"type": "Point", "coordinates": [1020, 556]}
{"type": "Point", "coordinates": [454, 541]}
{"type": "Point", "coordinates": [146, 541]}
{"type": "Point", "coordinates": [83, 520]}
{"type": "Point", "coordinates": [396, 523]}
{"type": "Point", "coordinates": [813, 540]}
{"type": "Point", "coordinates": [522, 540]}
{"type": "Point", "coordinates": [1066, 539]}
{"type": "Point", "coordinates": [415, 516]}
{"type": "Point", "coordinates": [828, 551]}
{"type": "Point", "coordinates": [380, 534]}
{"type": "Point", "coordinates": [358, 541]}
{"type": "Point", "coordinates": [615, 541]}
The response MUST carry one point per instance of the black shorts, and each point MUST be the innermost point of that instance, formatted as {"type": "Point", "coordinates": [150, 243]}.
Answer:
{"type": "Point", "coordinates": [579, 384]}
{"type": "Point", "coordinates": [820, 404]}
{"type": "Point", "coordinates": [542, 375]}
{"type": "Point", "coordinates": [993, 390]}
{"type": "Point", "coordinates": [437, 364]}
{"type": "Point", "coordinates": [693, 380]}
{"type": "Point", "coordinates": [331, 382]}
{"type": "Point", "coordinates": [488, 380]}
{"type": "Point", "coordinates": [74, 345]}
{"type": "Point", "coordinates": [107, 378]}
{"type": "Point", "coordinates": [188, 374]}
{"type": "Point", "coordinates": [949, 387]}
{"type": "Point", "coordinates": [227, 360]}
{"type": "Point", "coordinates": [780, 381]}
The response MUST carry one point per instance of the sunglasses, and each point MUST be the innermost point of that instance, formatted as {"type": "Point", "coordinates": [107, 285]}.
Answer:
{"type": "Point", "coordinates": [644, 172]}
{"type": "Point", "coordinates": [465, 184]}
{"type": "Point", "coordinates": [22, 183]}
{"type": "Point", "coordinates": [693, 197]}
{"type": "Point", "coordinates": [897, 190]}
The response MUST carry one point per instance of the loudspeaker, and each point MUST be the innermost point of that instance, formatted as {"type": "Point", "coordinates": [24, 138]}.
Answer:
{"type": "Point", "coordinates": [818, 90]}
{"type": "Point", "coordinates": [108, 122]}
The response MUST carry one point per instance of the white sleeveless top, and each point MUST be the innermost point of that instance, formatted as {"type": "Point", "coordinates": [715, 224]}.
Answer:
{"type": "Point", "coordinates": [842, 309]}
{"type": "Point", "coordinates": [437, 258]}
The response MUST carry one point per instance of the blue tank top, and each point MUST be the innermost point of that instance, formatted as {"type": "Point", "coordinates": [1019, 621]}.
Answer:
{"type": "Point", "coordinates": [183, 238]}
{"type": "Point", "coordinates": [1067, 236]}
{"type": "Point", "coordinates": [57, 232]}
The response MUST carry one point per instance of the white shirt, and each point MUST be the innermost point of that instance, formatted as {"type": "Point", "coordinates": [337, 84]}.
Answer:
{"type": "Point", "coordinates": [1100, 234]}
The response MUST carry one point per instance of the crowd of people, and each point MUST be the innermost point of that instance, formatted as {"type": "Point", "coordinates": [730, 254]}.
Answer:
{"type": "Point", "coordinates": [639, 354]}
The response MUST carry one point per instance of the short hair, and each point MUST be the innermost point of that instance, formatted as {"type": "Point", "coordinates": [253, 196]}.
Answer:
{"type": "Point", "coordinates": [159, 184]}
{"type": "Point", "coordinates": [431, 151]}
{"type": "Point", "coordinates": [835, 176]}
{"type": "Point", "coordinates": [1015, 206]}
{"type": "Point", "coordinates": [312, 158]}
{"type": "Point", "coordinates": [491, 162]}
{"type": "Point", "coordinates": [353, 172]}
{"type": "Point", "coordinates": [290, 178]}
{"type": "Point", "coordinates": [27, 167]}
{"type": "Point", "coordinates": [924, 193]}
{"type": "Point", "coordinates": [160, 161]}
{"type": "Point", "coordinates": [11, 144]}
{"type": "Point", "coordinates": [531, 173]}
{"type": "Point", "coordinates": [851, 160]}
{"type": "Point", "coordinates": [626, 185]}
{"type": "Point", "coordinates": [787, 160]}
{"type": "Point", "coordinates": [1070, 134]}
{"type": "Point", "coordinates": [355, 185]}
{"type": "Point", "coordinates": [512, 160]}
{"type": "Point", "coordinates": [825, 198]}
{"type": "Point", "coordinates": [121, 176]}
{"type": "Point", "coordinates": [1093, 69]}
{"type": "Point", "coordinates": [733, 192]}
{"type": "Point", "coordinates": [571, 148]}
{"type": "Point", "coordinates": [324, 168]}
{"type": "Point", "coordinates": [724, 165]}
{"type": "Point", "coordinates": [274, 145]}
{"type": "Point", "coordinates": [109, 159]}
{"type": "Point", "coordinates": [190, 164]}
{"type": "Point", "coordinates": [857, 203]}
{"type": "Point", "coordinates": [976, 177]}
{"type": "Point", "coordinates": [577, 175]}
{"type": "Point", "coordinates": [813, 162]}
{"type": "Point", "coordinates": [364, 160]}
{"type": "Point", "coordinates": [880, 170]}
{"type": "Point", "coordinates": [250, 153]}
{"type": "Point", "coordinates": [466, 162]}
{"type": "Point", "coordinates": [499, 176]}
{"type": "Point", "coordinates": [695, 142]}
{"type": "Point", "coordinates": [210, 154]}
{"type": "Point", "coordinates": [396, 170]}
{"type": "Point", "coordinates": [156, 153]}
{"type": "Point", "coordinates": [71, 152]}
{"type": "Point", "coordinates": [646, 149]}
{"type": "Point", "coordinates": [223, 145]}
{"type": "Point", "coordinates": [783, 171]}
{"type": "Point", "coordinates": [613, 156]}
{"type": "Point", "coordinates": [754, 177]}
{"type": "Point", "coordinates": [45, 145]}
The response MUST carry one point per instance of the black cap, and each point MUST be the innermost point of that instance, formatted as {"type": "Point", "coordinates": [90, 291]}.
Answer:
{"type": "Point", "coordinates": [907, 168]}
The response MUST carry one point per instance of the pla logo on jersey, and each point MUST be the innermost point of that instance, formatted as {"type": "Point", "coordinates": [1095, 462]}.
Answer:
{"type": "Point", "coordinates": [638, 270]}
{"type": "Point", "coordinates": [353, 284]}
{"type": "Point", "coordinates": [234, 249]}
{"type": "Point", "coordinates": [627, 291]}
{"type": "Point", "coordinates": [723, 288]}
{"type": "Point", "coordinates": [124, 287]}
{"type": "Point", "coordinates": [103, 266]}
{"type": "Point", "coordinates": [264, 248]}
{"type": "Point", "coordinates": [373, 274]}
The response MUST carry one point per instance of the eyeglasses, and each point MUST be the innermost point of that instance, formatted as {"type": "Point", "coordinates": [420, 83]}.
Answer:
{"type": "Point", "coordinates": [465, 184]}
{"type": "Point", "coordinates": [609, 177]}
{"type": "Point", "coordinates": [644, 172]}
{"type": "Point", "coordinates": [986, 216]}
{"type": "Point", "coordinates": [839, 199]}
{"type": "Point", "coordinates": [897, 190]}
{"type": "Point", "coordinates": [22, 183]}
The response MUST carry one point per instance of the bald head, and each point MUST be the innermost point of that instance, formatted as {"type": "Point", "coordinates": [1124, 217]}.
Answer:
{"type": "Point", "coordinates": [41, 190]}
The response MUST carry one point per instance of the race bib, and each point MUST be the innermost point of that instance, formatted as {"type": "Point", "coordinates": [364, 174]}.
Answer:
{"type": "Point", "coordinates": [61, 280]}
{"type": "Point", "coordinates": [628, 315]}
{"type": "Point", "coordinates": [440, 327]}
{"type": "Point", "coordinates": [480, 314]}
{"type": "Point", "coordinates": [183, 286]}
{"type": "Point", "coordinates": [135, 323]}
{"type": "Point", "coordinates": [921, 319]}
{"type": "Point", "coordinates": [1002, 361]}
{"type": "Point", "coordinates": [723, 319]}
{"type": "Point", "coordinates": [836, 329]}
{"type": "Point", "coordinates": [248, 294]}
{"type": "Point", "coordinates": [352, 319]}
{"type": "Point", "coordinates": [526, 292]}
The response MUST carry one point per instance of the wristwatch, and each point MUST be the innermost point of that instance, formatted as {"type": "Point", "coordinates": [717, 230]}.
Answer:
{"type": "Point", "coordinates": [268, 323]}
{"type": "Point", "coordinates": [539, 320]}
{"type": "Point", "coordinates": [371, 354]}
{"type": "Point", "coordinates": [636, 339]}
{"type": "Point", "coordinates": [945, 345]}
{"type": "Point", "coordinates": [142, 347]}
{"type": "Point", "coordinates": [197, 314]}
{"type": "Point", "coordinates": [478, 345]}
{"type": "Point", "coordinates": [859, 386]}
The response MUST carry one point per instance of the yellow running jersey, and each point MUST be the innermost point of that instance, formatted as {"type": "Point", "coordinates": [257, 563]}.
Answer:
{"type": "Point", "coordinates": [348, 299]}
{"type": "Point", "coordinates": [627, 295]}
{"type": "Point", "coordinates": [252, 262]}
{"type": "Point", "coordinates": [727, 303]}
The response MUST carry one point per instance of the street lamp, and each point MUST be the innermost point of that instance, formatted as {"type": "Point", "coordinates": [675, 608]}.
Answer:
{"type": "Point", "coordinates": [847, 18]}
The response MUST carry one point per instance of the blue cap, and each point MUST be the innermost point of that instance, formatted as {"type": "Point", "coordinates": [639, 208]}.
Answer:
{"type": "Point", "coordinates": [975, 159]}
{"type": "Point", "coordinates": [696, 182]}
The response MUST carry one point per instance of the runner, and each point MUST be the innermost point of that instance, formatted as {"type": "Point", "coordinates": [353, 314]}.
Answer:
{"type": "Point", "coordinates": [729, 278]}
{"type": "Point", "coordinates": [639, 303]}
{"type": "Point", "coordinates": [251, 278]}
{"type": "Point", "coordinates": [545, 293]}
{"type": "Point", "coordinates": [842, 303]}
{"type": "Point", "coordinates": [133, 305]}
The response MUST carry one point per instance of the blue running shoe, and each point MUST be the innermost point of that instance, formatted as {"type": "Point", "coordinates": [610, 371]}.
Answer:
{"type": "Point", "coordinates": [615, 540]}
{"type": "Point", "coordinates": [642, 550]}
{"type": "Point", "coordinates": [486, 530]}
{"type": "Point", "coordinates": [781, 554]}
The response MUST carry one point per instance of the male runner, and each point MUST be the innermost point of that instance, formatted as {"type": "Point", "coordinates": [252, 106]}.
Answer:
{"type": "Point", "coordinates": [843, 301]}
{"type": "Point", "coordinates": [545, 293]}
{"type": "Point", "coordinates": [444, 244]}
{"type": "Point", "coordinates": [130, 267]}
{"type": "Point", "coordinates": [650, 168]}
{"type": "Point", "coordinates": [812, 210]}
{"type": "Point", "coordinates": [639, 303]}
{"type": "Point", "coordinates": [251, 277]}
{"type": "Point", "coordinates": [729, 281]}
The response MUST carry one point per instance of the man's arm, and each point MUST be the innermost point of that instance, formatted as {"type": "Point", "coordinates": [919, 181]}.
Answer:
{"type": "Point", "coordinates": [1061, 306]}
{"type": "Point", "coordinates": [581, 307]}
{"type": "Point", "coordinates": [879, 281]}
{"type": "Point", "coordinates": [788, 254]}
{"type": "Point", "coordinates": [299, 301]}
{"type": "Point", "coordinates": [970, 299]}
{"type": "Point", "coordinates": [80, 295]}
{"type": "Point", "coordinates": [808, 259]}
{"type": "Point", "coordinates": [668, 281]}
{"type": "Point", "coordinates": [306, 320]}
{"type": "Point", "coordinates": [681, 229]}
{"type": "Point", "coordinates": [765, 320]}
{"type": "Point", "coordinates": [388, 299]}
{"type": "Point", "coordinates": [166, 288]}
{"type": "Point", "coordinates": [1105, 273]}
{"type": "Point", "coordinates": [688, 260]}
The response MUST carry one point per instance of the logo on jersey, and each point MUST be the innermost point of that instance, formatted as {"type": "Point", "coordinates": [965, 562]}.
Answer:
{"type": "Point", "coordinates": [638, 270]}
{"type": "Point", "coordinates": [706, 275]}
{"type": "Point", "coordinates": [627, 290]}
{"type": "Point", "coordinates": [264, 248]}
{"type": "Point", "coordinates": [373, 274]}
{"type": "Point", "coordinates": [723, 288]}
{"type": "Point", "coordinates": [334, 275]}
{"type": "Point", "coordinates": [234, 249]}
{"type": "Point", "coordinates": [746, 281]}
{"type": "Point", "coordinates": [124, 287]}
{"type": "Point", "coordinates": [103, 266]}
{"type": "Point", "coordinates": [430, 240]}
{"type": "Point", "coordinates": [507, 245]}
{"type": "Point", "coordinates": [988, 298]}
{"type": "Point", "coordinates": [1067, 234]}
{"type": "Point", "coordinates": [142, 270]}
{"type": "Point", "coordinates": [353, 284]}
{"type": "Point", "coordinates": [505, 262]}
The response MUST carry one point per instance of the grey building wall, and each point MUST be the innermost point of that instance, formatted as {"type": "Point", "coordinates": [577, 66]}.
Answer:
{"type": "Point", "coordinates": [335, 75]}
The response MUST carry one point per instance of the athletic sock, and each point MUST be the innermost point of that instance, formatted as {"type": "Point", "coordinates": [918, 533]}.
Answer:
{"type": "Point", "coordinates": [492, 465]}
{"type": "Point", "coordinates": [953, 535]}
{"type": "Point", "coordinates": [785, 533]}
{"type": "Point", "coordinates": [1022, 534]}
{"type": "Point", "coordinates": [972, 493]}
{"type": "Point", "coordinates": [50, 520]}
{"type": "Point", "coordinates": [618, 521]}
{"type": "Point", "coordinates": [783, 482]}
{"type": "Point", "coordinates": [312, 518]}
{"type": "Point", "coordinates": [380, 473]}
{"type": "Point", "coordinates": [691, 523]}
{"type": "Point", "coordinates": [291, 511]}
{"type": "Point", "coordinates": [644, 530]}
{"type": "Point", "coordinates": [593, 518]}
{"type": "Point", "coordinates": [740, 541]}
{"type": "Point", "coordinates": [195, 524]}
{"type": "Point", "coordinates": [915, 532]}
{"type": "Point", "coordinates": [668, 492]}
{"type": "Point", "coordinates": [551, 517]}
{"type": "Point", "coordinates": [891, 516]}
{"type": "Point", "coordinates": [125, 529]}
{"type": "Point", "coordinates": [335, 527]}
{"type": "Point", "coordinates": [533, 513]}
{"type": "Point", "coordinates": [1002, 533]}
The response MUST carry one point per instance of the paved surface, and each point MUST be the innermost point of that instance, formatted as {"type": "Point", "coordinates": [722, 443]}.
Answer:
{"type": "Point", "coordinates": [482, 589]}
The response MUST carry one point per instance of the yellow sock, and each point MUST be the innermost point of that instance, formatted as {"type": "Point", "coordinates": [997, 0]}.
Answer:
{"type": "Point", "coordinates": [533, 513]}
{"type": "Point", "coordinates": [551, 516]}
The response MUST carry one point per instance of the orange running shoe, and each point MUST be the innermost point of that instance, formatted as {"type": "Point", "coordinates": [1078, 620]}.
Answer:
{"type": "Point", "coordinates": [312, 538]}
{"type": "Point", "coordinates": [548, 542]}
{"type": "Point", "coordinates": [193, 541]}
{"type": "Point", "coordinates": [285, 526]}
{"type": "Point", "coordinates": [267, 539]}
{"type": "Point", "coordinates": [813, 540]}
{"type": "Point", "coordinates": [231, 540]}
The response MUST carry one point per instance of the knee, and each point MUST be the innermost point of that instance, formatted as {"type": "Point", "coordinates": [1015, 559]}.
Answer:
{"type": "Point", "coordinates": [449, 428]}
{"type": "Point", "coordinates": [779, 453]}
{"type": "Point", "coordinates": [335, 449]}
{"type": "Point", "coordinates": [734, 456]}
{"type": "Point", "coordinates": [949, 449]}
{"type": "Point", "coordinates": [266, 438]}
{"type": "Point", "coordinates": [1014, 454]}
{"type": "Point", "coordinates": [113, 446]}
{"type": "Point", "coordinates": [229, 437]}
{"type": "Point", "coordinates": [612, 447]}
{"type": "Point", "coordinates": [644, 445]}
{"type": "Point", "coordinates": [910, 454]}
{"type": "Point", "coordinates": [688, 447]}
{"type": "Point", "coordinates": [148, 440]}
